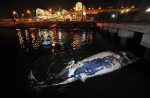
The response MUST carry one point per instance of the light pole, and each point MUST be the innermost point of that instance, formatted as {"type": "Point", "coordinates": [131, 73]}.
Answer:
{"type": "Point", "coordinates": [29, 12]}
{"type": "Point", "coordinates": [22, 15]}
{"type": "Point", "coordinates": [33, 14]}
{"type": "Point", "coordinates": [51, 11]}
{"type": "Point", "coordinates": [75, 12]}
{"type": "Point", "coordinates": [15, 13]}
{"type": "Point", "coordinates": [118, 9]}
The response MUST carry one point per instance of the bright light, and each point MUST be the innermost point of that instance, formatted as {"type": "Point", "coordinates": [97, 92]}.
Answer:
{"type": "Point", "coordinates": [122, 11]}
{"type": "Point", "coordinates": [59, 35]}
{"type": "Point", "coordinates": [14, 12]}
{"type": "Point", "coordinates": [132, 6]}
{"type": "Point", "coordinates": [22, 15]}
{"type": "Point", "coordinates": [148, 10]}
{"type": "Point", "coordinates": [58, 13]}
{"type": "Point", "coordinates": [15, 15]}
{"type": "Point", "coordinates": [50, 9]}
{"type": "Point", "coordinates": [127, 10]}
{"type": "Point", "coordinates": [89, 8]}
{"type": "Point", "coordinates": [28, 11]}
{"type": "Point", "coordinates": [113, 15]}
{"type": "Point", "coordinates": [99, 8]}
{"type": "Point", "coordinates": [84, 13]}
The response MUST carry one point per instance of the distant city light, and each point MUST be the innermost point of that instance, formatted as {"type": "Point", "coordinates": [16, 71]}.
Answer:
{"type": "Point", "coordinates": [113, 15]}
{"type": "Point", "coordinates": [148, 10]}
{"type": "Point", "coordinates": [132, 6]}
{"type": "Point", "coordinates": [74, 13]}
{"type": "Point", "coordinates": [22, 15]}
{"type": "Point", "coordinates": [58, 13]}
{"type": "Point", "coordinates": [127, 10]}
{"type": "Point", "coordinates": [28, 11]}
{"type": "Point", "coordinates": [50, 9]}
{"type": "Point", "coordinates": [84, 13]}
{"type": "Point", "coordinates": [15, 14]}
{"type": "Point", "coordinates": [122, 11]}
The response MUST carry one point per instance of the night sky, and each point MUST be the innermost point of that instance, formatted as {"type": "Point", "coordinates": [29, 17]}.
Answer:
{"type": "Point", "coordinates": [7, 6]}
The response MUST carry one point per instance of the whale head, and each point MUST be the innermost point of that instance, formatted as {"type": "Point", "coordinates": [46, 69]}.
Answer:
{"type": "Point", "coordinates": [127, 58]}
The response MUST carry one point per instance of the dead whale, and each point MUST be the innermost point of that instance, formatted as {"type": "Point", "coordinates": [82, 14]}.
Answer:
{"type": "Point", "coordinates": [98, 64]}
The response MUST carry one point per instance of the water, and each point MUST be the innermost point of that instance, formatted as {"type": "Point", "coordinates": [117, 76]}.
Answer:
{"type": "Point", "coordinates": [23, 50]}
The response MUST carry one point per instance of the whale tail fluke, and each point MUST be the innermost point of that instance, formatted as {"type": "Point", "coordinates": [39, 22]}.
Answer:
{"type": "Point", "coordinates": [31, 80]}
{"type": "Point", "coordinates": [34, 84]}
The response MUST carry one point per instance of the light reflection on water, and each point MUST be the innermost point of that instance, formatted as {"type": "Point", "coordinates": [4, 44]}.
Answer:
{"type": "Point", "coordinates": [37, 37]}
{"type": "Point", "coordinates": [63, 46]}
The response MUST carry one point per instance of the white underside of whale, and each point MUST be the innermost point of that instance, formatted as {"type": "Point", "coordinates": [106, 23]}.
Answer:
{"type": "Point", "coordinates": [84, 76]}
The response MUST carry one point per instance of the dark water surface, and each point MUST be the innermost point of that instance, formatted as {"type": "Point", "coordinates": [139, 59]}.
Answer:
{"type": "Point", "coordinates": [23, 50]}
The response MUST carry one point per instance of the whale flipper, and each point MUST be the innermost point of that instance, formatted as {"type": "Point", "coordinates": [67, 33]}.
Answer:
{"type": "Point", "coordinates": [72, 62]}
{"type": "Point", "coordinates": [31, 78]}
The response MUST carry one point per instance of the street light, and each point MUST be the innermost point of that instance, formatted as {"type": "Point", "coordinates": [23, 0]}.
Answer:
{"type": "Point", "coordinates": [132, 6]}
{"type": "Point", "coordinates": [29, 12]}
{"type": "Point", "coordinates": [58, 13]}
{"type": "Point", "coordinates": [113, 16]}
{"type": "Point", "coordinates": [75, 12]}
{"type": "Point", "coordinates": [15, 13]}
{"type": "Point", "coordinates": [99, 8]}
{"type": "Point", "coordinates": [51, 10]}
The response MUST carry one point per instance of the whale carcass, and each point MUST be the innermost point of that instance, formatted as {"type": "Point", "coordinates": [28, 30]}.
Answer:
{"type": "Point", "coordinates": [98, 64]}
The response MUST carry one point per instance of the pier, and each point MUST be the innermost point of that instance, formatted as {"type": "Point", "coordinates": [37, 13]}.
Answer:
{"type": "Point", "coordinates": [26, 23]}
{"type": "Point", "coordinates": [126, 30]}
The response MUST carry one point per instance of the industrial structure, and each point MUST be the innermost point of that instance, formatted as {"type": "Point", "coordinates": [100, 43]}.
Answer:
{"type": "Point", "coordinates": [78, 13]}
